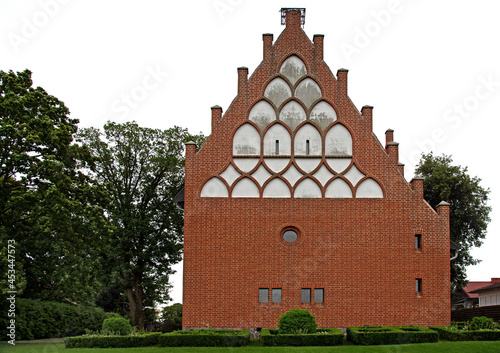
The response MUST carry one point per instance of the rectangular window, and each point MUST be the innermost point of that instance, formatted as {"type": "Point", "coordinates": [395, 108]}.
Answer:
{"type": "Point", "coordinates": [418, 285]}
{"type": "Point", "coordinates": [277, 147]}
{"type": "Point", "coordinates": [418, 241]}
{"type": "Point", "coordinates": [318, 295]}
{"type": "Point", "coordinates": [276, 295]}
{"type": "Point", "coordinates": [305, 295]}
{"type": "Point", "coordinates": [307, 147]}
{"type": "Point", "coordinates": [263, 295]}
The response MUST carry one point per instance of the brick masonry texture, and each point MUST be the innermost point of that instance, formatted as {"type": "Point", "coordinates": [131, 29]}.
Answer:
{"type": "Point", "coordinates": [360, 251]}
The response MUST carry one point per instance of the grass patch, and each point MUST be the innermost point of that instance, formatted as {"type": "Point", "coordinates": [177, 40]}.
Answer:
{"type": "Point", "coordinates": [440, 347]}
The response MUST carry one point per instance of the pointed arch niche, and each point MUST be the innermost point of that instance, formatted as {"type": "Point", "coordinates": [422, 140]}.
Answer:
{"type": "Point", "coordinates": [293, 68]}
{"type": "Point", "coordinates": [246, 141]}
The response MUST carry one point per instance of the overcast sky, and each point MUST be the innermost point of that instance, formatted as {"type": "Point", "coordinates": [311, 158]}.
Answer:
{"type": "Point", "coordinates": [431, 69]}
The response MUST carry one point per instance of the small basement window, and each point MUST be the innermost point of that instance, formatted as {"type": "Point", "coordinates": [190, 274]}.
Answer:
{"type": "Point", "coordinates": [276, 295]}
{"type": "Point", "coordinates": [305, 295]}
{"type": "Point", "coordinates": [263, 295]}
{"type": "Point", "coordinates": [319, 295]}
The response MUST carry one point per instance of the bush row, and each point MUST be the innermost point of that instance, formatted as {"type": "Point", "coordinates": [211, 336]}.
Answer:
{"type": "Point", "coordinates": [37, 319]}
{"type": "Point", "coordinates": [205, 338]}
{"type": "Point", "coordinates": [453, 334]}
{"type": "Point", "coordinates": [94, 341]}
{"type": "Point", "coordinates": [322, 337]}
{"type": "Point", "coordinates": [373, 335]}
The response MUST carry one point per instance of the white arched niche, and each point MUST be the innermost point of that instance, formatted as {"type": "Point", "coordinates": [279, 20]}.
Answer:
{"type": "Point", "coordinates": [308, 91]}
{"type": "Point", "coordinates": [307, 141]}
{"type": "Point", "coordinates": [245, 188]}
{"type": "Point", "coordinates": [307, 188]}
{"type": "Point", "coordinates": [323, 114]}
{"type": "Point", "coordinates": [338, 188]}
{"type": "Point", "coordinates": [246, 141]}
{"type": "Point", "coordinates": [369, 188]}
{"type": "Point", "coordinates": [292, 114]}
{"type": "Point", "coordinates": [293, 68]}
{"type": "Point", "coordinates": [277, 141]}
{"type": "Point", "coordinates": [214, 188]}
{"type": "Point", "coordinates": [277, 188]}
{"type": "Point", "coordinates": [338, 141]}
{"type": "Point", "coordinates": [278, 91]}
{"type": "Point", "coordinates": [262, 114]}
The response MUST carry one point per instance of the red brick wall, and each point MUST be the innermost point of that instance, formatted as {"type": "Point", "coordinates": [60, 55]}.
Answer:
{"type": "Point", "coordinates": [361, 251]}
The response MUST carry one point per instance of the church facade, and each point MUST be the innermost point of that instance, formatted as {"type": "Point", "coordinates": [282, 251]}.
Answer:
{"type": "Point", "coordinates": [292, 202]}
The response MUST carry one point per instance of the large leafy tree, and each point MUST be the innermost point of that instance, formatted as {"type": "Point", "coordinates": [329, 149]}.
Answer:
{"type": "Point", "coordinates": [48, 206]}
{"type": "Point", "coordinates": [143, 168]}
{"type": "Point", "coordinates": [469, 212]}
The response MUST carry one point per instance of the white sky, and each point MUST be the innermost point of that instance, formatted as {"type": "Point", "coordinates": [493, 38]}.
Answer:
{"type": "Point", "coordinates": [430, 68]}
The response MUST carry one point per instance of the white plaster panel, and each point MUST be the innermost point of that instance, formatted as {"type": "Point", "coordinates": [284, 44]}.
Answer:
{"type": "Point", "coordinates": [369, 188]}
{"type": "Point", "coordinates": [246, 164]}
{"type": "Point", "coordinates": [323, 175]}
{"type": "Point", "coordinates": [230, 174]}
{"type": "Point", "coordinates": [307, 188]}
{"type": "Point", "coordinates": [338, 141]}
{"type": "Point", "coordinates": [292, 175]}
{"type": "Point", "coordinates": [277, 188]}
{"type": "Point", "coordinates": [308, 91]}
{"type": "Point", "coordinates": [278, 91]}
{"type": "Point", "coordinates": [308, 164]}
{"type": "Point", "coordinates": [338, 189]}
{"type": "Point", "coordinates": [354, 175]}
{"type": "Point", "coordinates": [262, 114]}
{"type": "Point", "coordinates": [246, 141]}
{"type": "Point", "coordinates": [277, 132]}
{"type": "Point", "coordinates": [338, 164]}
{"type": "Point", "coordinates": [245, 188]}
{"type": "Point", "coordinates": [214, 188]}
{"type": "Point", "coordinates": [276, 164]}
{"type": "Point", "coordinates": [292, 114]}
{"type": "Point", "coordinates": [323, 114]}
{"type": "Point", "coordinates": [293, 68]}
{"type": "Point", "coordinates": [261, 175]}
{"type": "Point", "coordinates": [307, 133]}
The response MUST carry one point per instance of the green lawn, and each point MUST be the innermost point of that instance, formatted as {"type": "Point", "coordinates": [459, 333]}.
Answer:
{"type": "Point", "coordinates": [441, 347]}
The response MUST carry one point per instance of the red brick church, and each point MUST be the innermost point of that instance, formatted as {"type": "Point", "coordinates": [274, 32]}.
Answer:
{"type": "Point", "coordinates": [293, 202]}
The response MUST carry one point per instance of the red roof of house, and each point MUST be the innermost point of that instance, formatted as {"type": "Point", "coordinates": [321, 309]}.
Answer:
{"type": "Point", "coordinates": [472, 286]}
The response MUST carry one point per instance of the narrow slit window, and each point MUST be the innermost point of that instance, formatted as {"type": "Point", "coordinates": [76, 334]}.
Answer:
{"type": "Point", "coordinates": [418, 241]}
{"type": "Point", "coordinates": [263, 295]}
{"type": "Point", "coordinates": [277, 147]}
{"type": "Point", "coordinates": [276, 295]}
{"type": "Point", "coordinates": [418, 285]}
{"type": "Point", "coordinates": [307, 147]}
{"type": "Point", "coordinates": [305, 295]}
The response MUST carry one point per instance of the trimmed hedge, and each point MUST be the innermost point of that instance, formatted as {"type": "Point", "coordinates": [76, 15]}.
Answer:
{"type": "Point", "coordinates": [145, 340]}
{"type": "Point", "coordinates": [453, 334]}
{"type": "Point", "coordinates": [37, 319]}
{"type": "Point", "coordinates": [117, 325]}
{"type": "Point", "coordinates": [205, 338]}
{"type": "Point", "coordinates": [322, 337]}
{"type": "Point", "coordinates": [373, 335]}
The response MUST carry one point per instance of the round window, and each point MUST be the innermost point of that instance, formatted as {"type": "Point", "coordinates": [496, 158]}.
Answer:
{"type": "Point", "coordinates": [290, 236]}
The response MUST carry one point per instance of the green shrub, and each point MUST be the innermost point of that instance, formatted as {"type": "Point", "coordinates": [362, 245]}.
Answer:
{"type": "Point", "coordinates": [322, 337]}
{"type": "Point", "coordinates": [118, 325]}
{"type": "Point", "coordinates": [367, 335]}
{"type": "Point", "coordinates": [98, 341]}
{"type": "Point", "coordinates": [205, 338]}
{"type": "Point", "coordinates": [297, 321]}
{"type": "Point", "coordinates": [37, 319]}
{"type": "Point", "coordinates": [482, 323]}
{"type": "Point", "coordinates": [455, 334]}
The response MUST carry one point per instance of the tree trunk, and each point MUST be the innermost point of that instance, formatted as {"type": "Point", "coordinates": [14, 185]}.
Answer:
{"type": "Point", "coordinates": [135, 296]}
